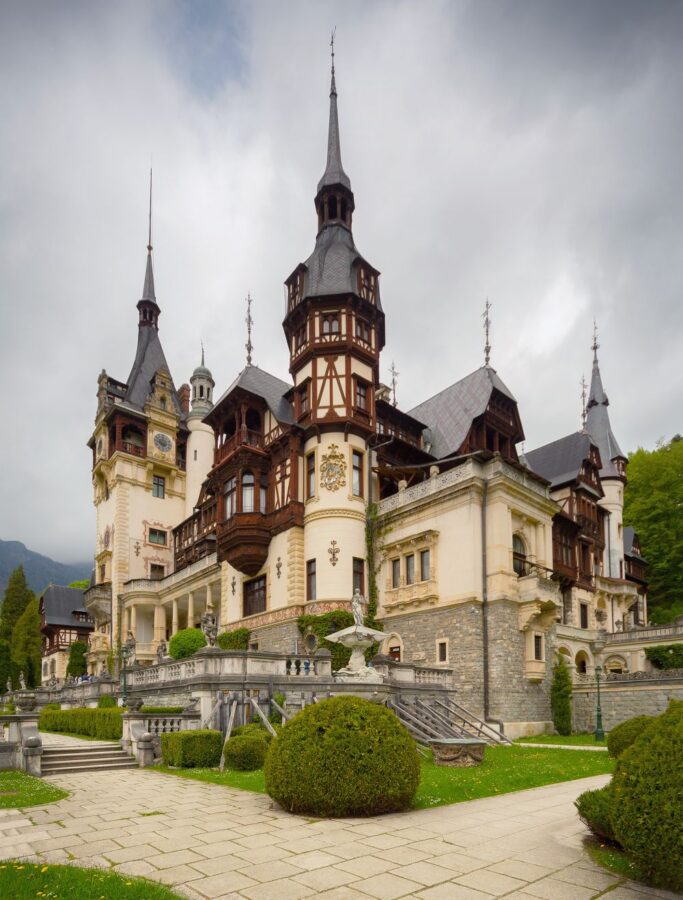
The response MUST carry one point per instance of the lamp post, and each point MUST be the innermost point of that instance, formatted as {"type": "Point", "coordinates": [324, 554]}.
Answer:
{"type": "Point", "coordinates": [127, 650]}
{"type": "Point", "coordinates": [599, 733]}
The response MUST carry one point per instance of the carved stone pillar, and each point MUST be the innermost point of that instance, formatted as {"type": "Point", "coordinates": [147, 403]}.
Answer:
{"type": "Point", "coordinates": [159, 623]}
{"type": "Point", "coordinates": [133, 620]}
{"type": "Point", "coordinates": [174, 620]}
{"type": "Point", "coordinates": [190, 610]}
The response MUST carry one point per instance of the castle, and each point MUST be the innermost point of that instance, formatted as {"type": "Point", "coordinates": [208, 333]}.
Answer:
{"type": "Point", "coordinates": [277, 499]}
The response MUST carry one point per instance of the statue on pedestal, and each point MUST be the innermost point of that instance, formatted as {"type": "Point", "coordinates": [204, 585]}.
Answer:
{"type": "Point", "coordinates": [22, 681]}
{"type": "Point", "coordinates": [358, 638]}
{"type": "Point", "coordinates": [209, 625]}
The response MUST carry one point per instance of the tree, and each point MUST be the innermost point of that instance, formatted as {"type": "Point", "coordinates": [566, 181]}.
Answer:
{"type": "Point", "coordinates": [5, 665]}
{"type": "Point", "coordinates": [653, 505]}
{"type": "Point", "coordinates": [77, 663]}
{"type": "Point", "coordinates": [26, 644]}
{"type": "Point", "coordinates": [82, 585]}
{"type": "Point", "coordinates": [17, 596]}
{"type": "Point", "coordinates": [561, 698]}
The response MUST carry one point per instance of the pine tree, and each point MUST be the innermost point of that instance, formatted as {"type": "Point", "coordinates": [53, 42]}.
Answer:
{"type": "Point", "coordinates": [77, 663]}
{"type": "Point", "coordinates": [5, 665]}
{"type": "Point", "coordinates": [26, 644]}
{"type": "Point", "coordinates": [17, 596]}
{"type": "Point", "coordinates": [561, 698]}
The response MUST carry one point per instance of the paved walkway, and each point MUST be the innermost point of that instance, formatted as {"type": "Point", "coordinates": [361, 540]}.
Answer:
{"type": "Point", "coordinates": [210, 841]}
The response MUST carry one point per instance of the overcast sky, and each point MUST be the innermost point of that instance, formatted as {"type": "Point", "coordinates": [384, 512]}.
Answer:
{"type": "Point", "coordinates": [528, 152]}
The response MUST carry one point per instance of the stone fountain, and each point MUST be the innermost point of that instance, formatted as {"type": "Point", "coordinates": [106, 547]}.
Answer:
{"type": "Point", "coordinates": [357, 637]}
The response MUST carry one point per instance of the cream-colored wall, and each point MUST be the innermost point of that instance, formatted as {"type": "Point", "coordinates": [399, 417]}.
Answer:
{"type": "Point", "coordinates": [201, 442]}
{"type": "Point", "coordinates": [613, 502]}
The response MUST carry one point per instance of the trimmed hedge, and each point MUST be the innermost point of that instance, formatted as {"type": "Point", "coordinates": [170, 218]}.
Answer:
{"type": "Point", "coordinates": [234, 640]}
{"type": "Point", "coordinates": [561, 698]}
{"type": "Point", "coordinates": [594, 811]}
{"type": "Point", "coordinates": [186, 642]}
{"type": "Point", "coordinates": [161, 710]}
{"type": "Point", "coordinates": [253, 728]}
{"type": "Point", "coordinates": [200, 748]}
{"type": "Point", "coordinates": [621, 737]}
{"type": "Point", "coordinates": [343, 757]}
{"type": "Point", "coordinates": [246, 752]}
{"type": "Point", "coordinates": [106, 701]}
{"type": "Point", "coordinates": [647, 800]}
{"type": "Point", "coordinates": [104, 724]}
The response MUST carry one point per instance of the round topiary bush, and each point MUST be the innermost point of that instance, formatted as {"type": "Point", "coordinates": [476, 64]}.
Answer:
{"type": "Point", "coordinates": [186, 642]}
{"type": "Point", "coordinates": [621, 737]}
{"type": "Point", "coordinates": [246, 752]}
{"type": "Point", "coordinates": [343, 757]}
{"type": "Point", "coordinates": [594, 811]}
{"type": "Point", "coordinates": [253, 728]}
{"type": "Point", "coordinates": [647, 800]}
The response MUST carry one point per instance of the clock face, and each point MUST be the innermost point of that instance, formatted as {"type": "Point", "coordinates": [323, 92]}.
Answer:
{"type": "Point", "coordinates": [162, 442]}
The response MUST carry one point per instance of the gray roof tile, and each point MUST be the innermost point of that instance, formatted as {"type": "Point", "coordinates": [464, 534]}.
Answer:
{"type": "Point", "coordinates": [60, 603]}
{"type": "Point", "coordinates": [266, 386]}
{"type": "Point", "coordinates": [561, 460]}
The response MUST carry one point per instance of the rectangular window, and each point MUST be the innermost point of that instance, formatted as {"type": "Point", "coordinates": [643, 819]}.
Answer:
{"type": "Point", "coordinates": [442, 651]}
{"type": "Point", "coordinates": [538, 646]}
{"type": "Point", "coordinates": [303, 401]}
{"type": "Point", "coordinates": [361, 395]}
{"type": "Point", "coordinates": [410, 569]}
{"type": "Point", "coordinates": [310, 476]}
{"type": "Point", "coordinates": [363, 330]}
{"type": "Point", "coordinates": [158, 486]}
{"type": "Point", "coordinates": [254, 597]}
{"type": "Point", "coordinates": [310, 580]}
{"type": "Point", "coordinates": [358, 575]}
{"type": "Point", "coordinates": [157, 536]}
{"type": "Point", "coordinates": [357, 463]}
{"type": "Point", "coordinates": [424, 565]}
{"type": "Point", "coordinates": [230, 492]}
{"type": "Point", "coordinates": [583, 614]}
{"type": "Point", "coordinates": [156, 571]}
{"type": "Point", "coordinates": [395, 573]}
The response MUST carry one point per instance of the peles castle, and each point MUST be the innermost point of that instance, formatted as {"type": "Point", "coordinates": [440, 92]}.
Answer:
{"type": "Point", "coordinates": [277, 499]}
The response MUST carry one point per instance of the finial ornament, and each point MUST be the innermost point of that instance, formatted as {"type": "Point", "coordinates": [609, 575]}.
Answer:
{"type": "Point", "coordinates": [487, 327]}
{"type": "Point", "coordinates": [394, 381]}
{"type": "Point", "coordinates": [595, 345]}
{"type": "Point", "coordinates": [333, 89]}
{"type": "Point", "coordinates": [202, 343]}
{"type": "Point", "coordinates": [149, 233]}
{"type": "Point", "coordinates": [250, 321]}
{"type": "Point", "coordinates": [584, 395]}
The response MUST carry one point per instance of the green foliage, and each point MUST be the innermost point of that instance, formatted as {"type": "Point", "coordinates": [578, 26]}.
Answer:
{"type": "Point", "coordinates": [200, 748]}
{"type": "Point", "coordinates": [594, 811]}
{"type": "Point", "coordinates": [561, 698]}
{"type": "Point", "coordinates": [17, 789]}
{"type": "Point", "coordinates": [6, 670]}
{"type": "Point", "coordinates": [186, 642]}
{"type": "Point", "coordinates": [104, 724]}
{"type": "Point", "coordinates": [52, 706]}
{"type": "Point", "coordinates": [667, 657]}
{"type": "Point", "coordinates": [275, 716]}
{"type": "Point", "coordinates": [325, 624]}
{"type": "Point", "coordinates": [622, 736]}
{"type": "Point", "coordinates": [23, 880]}
{"type": "Point", "coordinates": [253, 728]}
{"type": "Point", "coordinates": [245, 752]}
{"type": "Point", "coordinates": [234, 640]}
{"type": "Point", "coordinates": [77, 664]}
{"type": "Point", "coordinates": [106, 701]}
{"type": "Point", "coordinates": [343, 757]}
{"type": "Point", "coordinates": [161, 710]}
{"type": "Point", "coordinates": [653, 505]}
{"type": "Point", "coordinates": [665, 615]}
{"type": "Point", "coordinates": [26, 644]}
{"type": "Point", "coordinates": [82, 585]}
{"type": "Point", "coordinates": [647, 800]}
{"type": "Point", "coordinates": [17, 597]}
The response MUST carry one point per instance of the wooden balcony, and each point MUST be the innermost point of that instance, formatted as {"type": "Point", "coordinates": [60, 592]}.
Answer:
{"type": "Point", "coordinates": [243, 541]}
{"type": "Point", "coordinates": [242, 438]}
{"type": "Point", "coordinates": [127, 447]}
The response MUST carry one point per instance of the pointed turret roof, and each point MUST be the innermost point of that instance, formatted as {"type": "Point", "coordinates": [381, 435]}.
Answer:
{"type": "Point", "coordinates": [597, 421]}
{"type": "Point", "coordinates": [334, 171]}
{"type": "Point", "coordinates": [148, 286]}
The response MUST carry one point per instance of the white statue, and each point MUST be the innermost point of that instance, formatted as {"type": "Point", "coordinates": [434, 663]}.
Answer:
{"type": "Point", "coordinates": [357, 608]}
{"type": "Point", "coordinates": [22, 681]}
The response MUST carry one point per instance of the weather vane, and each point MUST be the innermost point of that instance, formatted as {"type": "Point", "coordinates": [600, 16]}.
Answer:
{"type": "Point", "coordinates": [149, 235]}
{"type": "Point", "coordinates": [487, 326]}
{"type": "Point", "coordinates": [595, 345]}
{"type": "Point", "coordinates": [584, 394]}
{"type": "Point", "coordinates": [250, 321]}
{"type": "Point", "coordinates": [394, 381]}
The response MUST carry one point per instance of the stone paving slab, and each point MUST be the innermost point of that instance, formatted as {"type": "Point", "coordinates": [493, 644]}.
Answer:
{"type": "Point", "coordinates": [209, 841]}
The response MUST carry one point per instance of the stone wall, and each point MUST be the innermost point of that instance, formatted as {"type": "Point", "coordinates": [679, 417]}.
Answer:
{"type": "Point", "coordinates": [281, 637]}
{"type": "Point", "coordinates": [621, 700]}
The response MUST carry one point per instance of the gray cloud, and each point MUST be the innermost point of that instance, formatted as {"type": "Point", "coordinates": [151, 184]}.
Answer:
{"type": "Point", "coordinates": [529, 152]}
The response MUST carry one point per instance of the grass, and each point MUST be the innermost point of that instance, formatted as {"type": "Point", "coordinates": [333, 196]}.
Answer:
{"type": "Point", "coordinates": [17, 789]}
{"type": "Point", "coordinates": [570, 740]}
{"type": "Point", "coordinates": [22, 881]}
{"type": "Point", "coordinates": [504, 769]}
{"type": "Point", "coordinates": [614, 859]}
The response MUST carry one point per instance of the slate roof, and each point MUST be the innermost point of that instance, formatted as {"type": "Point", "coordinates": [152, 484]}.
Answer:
{"type": "Point", "coordinates": [266, 386]}
{"type": "Point", "coordinates": [598, 424]}
{"type": "Point", "coordinates": [60, 603]}
{"type": "Point", "coordinates": [450, 413]}
{"type": "Point", "coordinates": [560, 461]}
{"type": "Point", "coordinates": [334, 171]}
{"type": "Point", "coordinates": [629, 539]}
{"type": "Point", "coordinates": [332, 268]}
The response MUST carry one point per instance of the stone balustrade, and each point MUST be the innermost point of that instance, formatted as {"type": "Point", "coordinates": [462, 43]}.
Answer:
{"type": "Point", "coordinates": [21, 746]}
{"type": "Point", "coordinates": [652, 633]}
{"type": "Point", "coordinates": [136, 724]}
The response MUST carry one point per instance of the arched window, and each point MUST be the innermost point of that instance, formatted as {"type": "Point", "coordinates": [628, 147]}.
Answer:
{"type": "Point", "coordinates": [201, 391]}
{"type": "Point", "coordinates": [230, 491]}
{"type": "Point", "coordinates": [581, 662]}
{"type": "Point", "coordinates": [162, 402]}
{"type": "Point", "coordinates": [247, 492]}
{"type": "Point", "coordinates": [253, 420]}
{"type": "Point", "coordinates": [519, 563]}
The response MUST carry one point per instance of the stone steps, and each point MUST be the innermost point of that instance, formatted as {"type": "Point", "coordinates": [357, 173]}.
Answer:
{"type": "Point", "coordinates": [94, 757]}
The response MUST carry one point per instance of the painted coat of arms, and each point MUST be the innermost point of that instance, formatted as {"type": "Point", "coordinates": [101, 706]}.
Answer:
{"type": "Point", "coordinates": [333, 469]}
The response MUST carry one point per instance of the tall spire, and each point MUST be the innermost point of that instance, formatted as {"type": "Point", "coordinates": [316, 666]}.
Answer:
{"type": "Point", "coordinates": [334, 171]}
{"type": "Point", "coordinates": [148, 287]}
{"type": "Point", "coordinates": [487, 331]}
{"type": "Point", "coordinates": [598, 423]}
{"type": "Point", "coordinates": [584, 394]}
{"type": "Point", "coordinates": [249, 320]}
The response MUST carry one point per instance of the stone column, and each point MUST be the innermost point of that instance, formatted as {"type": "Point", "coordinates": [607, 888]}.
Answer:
{"type": "Point", "coordinates": [159, 623]}
{"type": "Point", "coordinates": [174, 620]}
{"type": "Point", "coordinates": [126, 622]}
{"type": "Point", "coordinates": [190, 610]}
{"type": "Point", "coordinates": [133, 620]}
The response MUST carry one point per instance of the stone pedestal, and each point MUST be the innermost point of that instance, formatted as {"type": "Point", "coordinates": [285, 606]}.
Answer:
{"type": "Point", "coordinates": [358, 638]}
{"type": "Point", "coordinates": [145, 750]}
{"type": "Point", "coordinates": [459, 753]}
{"type": "Point", "coordinates": [32, 751]}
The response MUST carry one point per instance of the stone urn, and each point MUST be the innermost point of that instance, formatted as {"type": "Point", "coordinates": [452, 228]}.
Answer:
{"type": "Point", "coordinates": [458, 753]}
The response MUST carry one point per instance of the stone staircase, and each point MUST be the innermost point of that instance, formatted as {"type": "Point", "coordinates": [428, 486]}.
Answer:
{"type": "Point", "coordinates": [434, 719]}
{"type": "Point", "coordinates": [93, 756]}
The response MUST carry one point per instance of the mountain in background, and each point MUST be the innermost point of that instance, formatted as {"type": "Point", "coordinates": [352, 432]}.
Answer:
{"type": "Point", "coordinates": [40, 570]}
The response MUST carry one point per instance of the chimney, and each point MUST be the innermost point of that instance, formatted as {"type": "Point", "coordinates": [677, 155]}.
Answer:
{"type": "Point", "coordinates": [184, 397]}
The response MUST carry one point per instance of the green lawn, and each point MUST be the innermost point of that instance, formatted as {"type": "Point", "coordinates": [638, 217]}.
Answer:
{"type": "Point", "coordinates": [17, 789]}
{"type": "Point", "coordinates": [504, 769]}
{"type": "Point", "coordinates": [22, 881]}
{"type": "Point", "coordinates": [614, 859]}
{"type": "Point", "coordinates": [570, 740]}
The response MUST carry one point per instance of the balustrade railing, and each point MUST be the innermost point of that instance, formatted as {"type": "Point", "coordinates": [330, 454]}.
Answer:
{"type": "Point", "coordinates": [654, 632]}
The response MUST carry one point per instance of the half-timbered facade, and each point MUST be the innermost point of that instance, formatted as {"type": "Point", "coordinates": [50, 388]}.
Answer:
{"type": "Point", "coordinates": [63, 621]}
